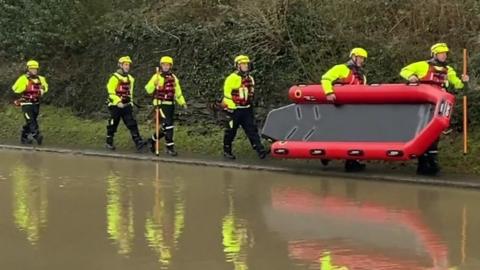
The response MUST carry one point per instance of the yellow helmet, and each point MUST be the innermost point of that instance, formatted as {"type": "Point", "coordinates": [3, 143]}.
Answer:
{"type": "Point", "coordinates": [439, 48]}
{"type": "Point", "coordinates": [166, 60]}
{"type": "Point", "coordinates": [33, 64]}
{"type": "Point", "coordinates": [242, 59]}
{"type": "Point", "coordinates": [125, 59]}
{"type": "Point", "coordinates": [358, 52]}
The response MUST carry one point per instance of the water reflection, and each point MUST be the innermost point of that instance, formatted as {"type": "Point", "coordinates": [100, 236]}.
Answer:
{"type": "Point", "coordinates": [165, 223]}
{"type": "Point", "coordinates": [120, 225]}
{"type": "Point", "coordinates": [235, 235]}
{"type": "Point", "coordinates": [30, 201]}
{"type": "Point", "coordinates": [333, 232]}
{"type": "Point", "coordinates": [187, 217]}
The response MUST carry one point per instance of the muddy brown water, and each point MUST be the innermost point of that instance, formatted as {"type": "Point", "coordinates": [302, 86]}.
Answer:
{"type": "Point", "coordinates": [71, 212]}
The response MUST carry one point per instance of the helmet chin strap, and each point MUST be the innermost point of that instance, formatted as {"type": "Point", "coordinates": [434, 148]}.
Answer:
{"type": "Point", "coordinates": [354, 60]}
{"type": "Point", "coordinates": [122, 71]}
{"type": "Point", "coordinates": [435, 59]}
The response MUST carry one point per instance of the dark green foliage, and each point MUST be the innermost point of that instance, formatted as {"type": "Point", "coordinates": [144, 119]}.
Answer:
{"type": "Point", "coordinates": [291, 41]}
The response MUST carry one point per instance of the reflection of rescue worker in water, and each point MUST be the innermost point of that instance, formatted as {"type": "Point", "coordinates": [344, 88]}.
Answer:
{"type": "Point", "coordinates": [350, 73]}
{"type": "Point", "coordinates": [235, 236]}
{"type": "Point", "coordinates": [434, 71]}
{"type": "Point", "coordinates": [120, 101]}
{"type": "Point", "coordinates": [166, 90]}
{"type": "Point", "coordinates": [32, 87]}
{"type": "Point", "coordinates": [120, 223]}
{"type": "Point", "coordinates": [165, 224]}
{"type": "Point", "coordinates": [238, 97]}
{"type": "Point", "coordinates": [326, 262]}
{"type": "Point", "coordinates": [30, 199]}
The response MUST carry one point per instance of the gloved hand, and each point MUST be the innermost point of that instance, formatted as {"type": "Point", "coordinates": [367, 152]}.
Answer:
{"type": "Point", "coordinates": [126, 99]}
{"type": "Point", "coordinates": [121, 105]}
{"type": "Point", "coordinates": [413, 79]}
{"type": "Point", "coordinates": [331, 98]}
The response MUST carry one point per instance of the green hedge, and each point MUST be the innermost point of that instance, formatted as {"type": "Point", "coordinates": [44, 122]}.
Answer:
{"type": "Point", "coordinates": [291, 41]}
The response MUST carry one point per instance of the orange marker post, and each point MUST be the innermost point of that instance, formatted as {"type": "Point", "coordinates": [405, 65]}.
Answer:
{"type": "Point", "coordinates": [465, 108]}
{"type": "Point", "coordinates": [157, 125]}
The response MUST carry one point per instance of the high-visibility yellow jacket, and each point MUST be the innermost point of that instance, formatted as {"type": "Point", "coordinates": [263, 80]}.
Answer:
{"type": "Point", "coordinates": [233, 88]}
{"type": "Point", "coordinates": [158, 81]}
{"type": "Point", "coordinates": [21, 84]}
{"type": "Point", "coordinates": [422, 68]}
{"type": "Point", "coordinates": [341, 74]}
{"type": "Point", "coordinates": [113, 83]}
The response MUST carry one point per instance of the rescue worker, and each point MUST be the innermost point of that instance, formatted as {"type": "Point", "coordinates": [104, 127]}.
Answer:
{"type": "Point", "coordinates": [238, 96]}
{"type": "Point", "coordinates": [350, 73]}
{"type": "Point", "coordinates": [31, 87]}
{"type": "Point", "coordinates": [433, 71]}
{"type": "Point", "coordinates": [166, 90]}
{"type": "Point", "coordinates": [120, 102]}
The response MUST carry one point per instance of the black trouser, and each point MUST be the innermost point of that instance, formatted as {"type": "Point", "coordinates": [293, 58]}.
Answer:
{"type": "Point", "coordinates": [30, 113]}
{"type": "Point", "coordinates": [167, 114]}
{"type": "Point", "coordinates": [126, 114]}
{"type": "Point", "coordinates": [241, 117]}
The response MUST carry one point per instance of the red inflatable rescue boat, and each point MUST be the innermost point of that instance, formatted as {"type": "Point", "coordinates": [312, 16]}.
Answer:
{"type": "Point", "coordinates": [367, 122]}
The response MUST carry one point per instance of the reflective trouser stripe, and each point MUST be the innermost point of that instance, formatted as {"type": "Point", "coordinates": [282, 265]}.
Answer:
{"type": "Point", "coordinates": [159, 102]}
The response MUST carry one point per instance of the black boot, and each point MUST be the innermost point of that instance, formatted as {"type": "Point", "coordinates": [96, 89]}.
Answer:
{"type": "Point", "coordinates": [433, 165]}
{"type": "Point", "coordinates": [422, 166]}
{"type": "Point", "coordinates": [152, 145]}
{"type": "Point", "coordinates": [325, 162]}
{"type": "Point", "coordinates": [354, 166]}
{"type": "Point", "coordinates": [24, 139]}
{"type": "Point", "coordinates": [138, 141]}
{"type": "Point", "coordinates": [227, 152]}
{"type": "Point", "coordinates": [109, 143]}
{"type": "Point", "coordinates": [261, 152]}
{"type": "Point", "coordinates": [140, 144]}
{"type": "Point", "coordinates": [39, 138]}
{"type": "Point", "coordinates": [171, 151]}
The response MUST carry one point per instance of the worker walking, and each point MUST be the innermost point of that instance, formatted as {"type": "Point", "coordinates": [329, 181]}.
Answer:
{"type": "Point", "coordinates": [31, 87]}
{"type": "Point", "coordinates": [166, 90]}
{"type": "Point", "coordinates": [120, 102]}
{"type": "Point", "coordinates": [238, 96]}
{"type": "Point", "coordinates": [434, 71]}
{"type": "Point", "coordinates": [350, 73]}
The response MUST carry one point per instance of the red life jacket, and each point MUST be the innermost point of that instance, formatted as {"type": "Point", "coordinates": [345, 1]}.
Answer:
{"type": "Point", "coordinates": [166, 92]}
{"type": "Point", "coordinates": [33, 91]}
{"type": "Point", "coordinates": [436, 74]}
{"type": "Point", "coordinates": [355, 77]}
{"type": "Point", "coordinates": [123, 87]}
{"type": "Point", "coordinates": [244, 95]}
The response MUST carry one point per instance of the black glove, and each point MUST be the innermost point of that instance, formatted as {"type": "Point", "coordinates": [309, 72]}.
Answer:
{"type": "Point", "coordinates": [126, 99]}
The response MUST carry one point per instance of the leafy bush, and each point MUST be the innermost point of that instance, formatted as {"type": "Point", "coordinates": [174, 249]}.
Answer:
{"type": "Point", "coordinates": [291, 41]}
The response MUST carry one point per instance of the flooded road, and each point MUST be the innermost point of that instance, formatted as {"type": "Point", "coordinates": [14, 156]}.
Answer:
{"type": "Point", "coordinates": [73, 212]}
